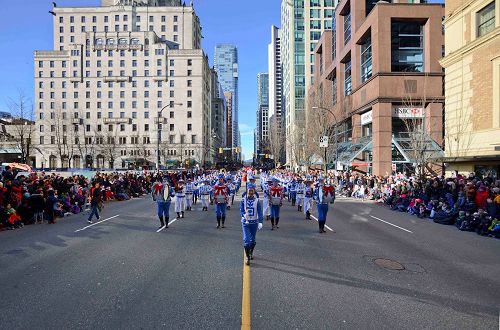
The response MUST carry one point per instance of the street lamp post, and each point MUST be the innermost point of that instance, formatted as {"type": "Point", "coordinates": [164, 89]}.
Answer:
{"type": "Point", "coordinates": [159, 134]}
{"type": "Point", "coordinates": [336, 140]}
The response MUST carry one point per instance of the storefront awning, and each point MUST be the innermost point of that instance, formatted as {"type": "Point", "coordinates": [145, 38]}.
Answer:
{"type": "Point", "coordinates": [406, 148]}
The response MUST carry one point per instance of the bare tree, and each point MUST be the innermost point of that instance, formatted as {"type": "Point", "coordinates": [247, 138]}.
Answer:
{"type": "Point", "coordinates": [109, 147]}
{"type": "Point", "coordinates": [418, 144]}
{"type": "Point", "coordinates": [275, 142]}
{"type": "Point", "coordinates": [320, 122]}
{"type": "Point", "coordinates": [23, 124]}
{"type": "Point", "coordinates": [62, 132]}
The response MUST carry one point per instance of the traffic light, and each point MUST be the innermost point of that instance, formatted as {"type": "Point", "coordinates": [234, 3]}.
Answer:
{"type": "Point", "coordinates": [221, 150]}
{"type": "Point", "coordinates": [237, 150]}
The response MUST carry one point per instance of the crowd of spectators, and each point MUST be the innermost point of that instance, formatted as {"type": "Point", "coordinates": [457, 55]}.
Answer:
{"type": "Point", "coordinates": [471, 203]}
{"type": "Point", "coordinates": [40, 197]}
{"type": "Point", "coordinates": [43, 197]}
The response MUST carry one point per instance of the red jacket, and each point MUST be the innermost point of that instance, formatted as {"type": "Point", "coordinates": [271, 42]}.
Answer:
{"type": "Point", "coordinates": [481, 197]}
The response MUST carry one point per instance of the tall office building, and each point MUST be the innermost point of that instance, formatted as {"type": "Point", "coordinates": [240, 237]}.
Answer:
{"type": "Point", "coordinates": [276, 118]}
{"type": "Point", "coordinates": [219, 116]}
{"type": "Point", "coordinates": [302, 23]}
{"type": "Point", "coordinates": [262, 111]}
{"type": "Point", "coordinates": [226, 65]}
{"type": "Point", "coordinates": [118, 75]}
{"type": "Point", "coordinates": [275, 76]}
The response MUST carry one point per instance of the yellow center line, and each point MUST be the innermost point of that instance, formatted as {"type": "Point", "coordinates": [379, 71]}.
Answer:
{"type": "Point", "coordinates": [245, 297]}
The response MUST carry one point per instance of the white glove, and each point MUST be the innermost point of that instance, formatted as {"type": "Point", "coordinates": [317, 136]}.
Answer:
{"type": "Point", "coordinates": [259, 227]}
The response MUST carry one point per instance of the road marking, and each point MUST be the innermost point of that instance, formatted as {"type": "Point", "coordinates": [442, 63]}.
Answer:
{"type": "Point", "coordinates": [330, 229]}
{"type": "Point", "coordinates": [171, 222]}
{"type": "Point", "coordinates": [245, 297]}
{"type": "Point", "coordinates": [391, 224]}
{"type": "Point", "coordinates": [97, 223]}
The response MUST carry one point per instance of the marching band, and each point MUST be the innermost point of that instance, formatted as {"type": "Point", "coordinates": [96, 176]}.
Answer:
{"type": "Point", "coordinates": [219, 189]}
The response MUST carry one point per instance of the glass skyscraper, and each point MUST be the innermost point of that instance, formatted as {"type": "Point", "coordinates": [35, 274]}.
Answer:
{"type": "Point", "coordinates": [302, 23]}
{"type": "Point", "coordinates": [262, 110]}
{"type": "Point", "coordinates": [226, 65]}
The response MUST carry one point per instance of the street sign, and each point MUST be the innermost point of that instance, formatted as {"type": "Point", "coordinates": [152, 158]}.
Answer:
{"type": "Point", "coordinates": [323, 141]}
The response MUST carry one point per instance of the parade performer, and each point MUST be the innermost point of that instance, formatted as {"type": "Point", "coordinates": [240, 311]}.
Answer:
{"type": "Point", "coordinates": [205, 190]}
{"type": "Point", "coordinates": [276, 194]}
{"type": "Point", "coordinates": [231, 190]}
{"type": "Point", "coordinates": [220, 199]}
{"type": "Point", "coordinates": [292, 194]}
{"type": "Point", "coordinates": [324, 194]}
{"type": "Point", "coordinates": [189, 189]}
{"type": "Point", "coordinates": [267, 198]}
{"type": "Point", "coordinates": [162, 194]}
{"type": "Point", "coordinates": [251, 221]}
{"type": "Point", "coordinates": [308, 198]}
{"type": "Point", "coordinates": [300, 194]}
{"type": "Point", "coordinates": [180, 198]}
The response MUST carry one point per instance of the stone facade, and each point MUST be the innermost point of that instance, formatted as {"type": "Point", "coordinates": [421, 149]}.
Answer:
{"type": "Point", "coordinates": [99, 93]}
{"type": "Point", "coordinates": [472, 88]}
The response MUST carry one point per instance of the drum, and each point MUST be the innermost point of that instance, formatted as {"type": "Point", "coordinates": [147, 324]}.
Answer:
{"type": "Point", "coordinates": [276, 201]}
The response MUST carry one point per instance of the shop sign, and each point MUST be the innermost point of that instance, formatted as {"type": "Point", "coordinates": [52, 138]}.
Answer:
{"type": "Point", "coordinates": [407, 112]}
{"type": "Point", "coordinates": [366, 118]}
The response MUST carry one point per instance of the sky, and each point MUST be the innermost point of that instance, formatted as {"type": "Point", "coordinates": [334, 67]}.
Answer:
{"type": "Point", "coordinates": [246, 24]}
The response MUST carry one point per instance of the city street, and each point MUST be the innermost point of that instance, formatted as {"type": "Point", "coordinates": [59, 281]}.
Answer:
{"type": "Point", "coordinates": [122, 273]}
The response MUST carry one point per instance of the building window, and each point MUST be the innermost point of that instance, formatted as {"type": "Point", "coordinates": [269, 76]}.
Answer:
{"type": "Point", "coordinates": [334, 39]}
{"type": "Point", "coordinates": [347, 28]}
{"type": "Point", "coordinates": [334, 90]}
{"type": "Point", "coordinates": [407, 47]}
{"type": "Point", "coordinates": [369, 5]}
{"type": "Point", "coordinates": [486, 20]}
{"type": "Point", "coordinates": [366, 60]}
{"type": "Point", "coordinates": [347, 78]}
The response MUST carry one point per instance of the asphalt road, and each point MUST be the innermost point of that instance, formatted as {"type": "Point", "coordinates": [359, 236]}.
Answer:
{"type": "Point", "coordinates": [123, 274]}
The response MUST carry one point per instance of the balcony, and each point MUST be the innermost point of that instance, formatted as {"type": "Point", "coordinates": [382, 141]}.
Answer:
{"type": "Point", "coordinates": [110, 47]}
{"type": "Point", "coordinates": [51, 53]}
{"type": "Point", "coordinates": [117, 79]}
{"type": "Point", "coordinates": [135, 47]}
{"type": "Point", "coordinates": [99, 47]}
{"type": "Point", "coordinates": [123, 47]}
{"type": "Point", "coordinates": [118, 121]}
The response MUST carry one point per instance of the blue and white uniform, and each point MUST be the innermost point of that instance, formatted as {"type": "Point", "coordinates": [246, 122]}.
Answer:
{"type": "Point", "coordinates": [205, 190]}
{"type": "Point", "coordinates": [180, 200]}
{"type": "Point", "coordinates": [251, 217]}
{"type": "Point", "coordinates": [162, 194]}
{"type": "Point", "coordinates": [308, 200]}
{"type": "Point", "coordinates": [300, 188]}
{"type": "Point", "coordinates": [324, 194]}
{"type": "Point", "coordinates": [189, 189]}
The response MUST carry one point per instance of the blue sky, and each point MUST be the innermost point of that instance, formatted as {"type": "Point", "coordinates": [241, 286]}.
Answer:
{"type": "Point", "coordinates": [247, 24]}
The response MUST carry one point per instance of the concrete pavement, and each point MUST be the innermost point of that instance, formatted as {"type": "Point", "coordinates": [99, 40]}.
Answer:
{"type": "Point", "coordinates": [123, 274]}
